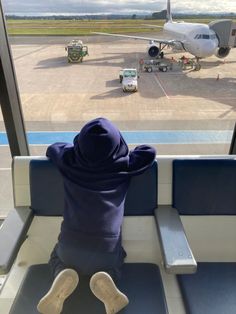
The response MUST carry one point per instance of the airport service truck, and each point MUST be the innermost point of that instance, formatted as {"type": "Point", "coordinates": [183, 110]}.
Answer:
{"type": "Point", "coordinates": [76, 51]}
{"type": "Point", "coordinates": [129, 80]}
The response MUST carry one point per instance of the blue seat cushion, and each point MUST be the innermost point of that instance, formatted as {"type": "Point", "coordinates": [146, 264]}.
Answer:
{"type": "Point", "coordinates": [204, 186]}
{"type": "Point", "coordinates": [212, 290]}
{"type": "Point", "coordinates": [141, 282]}
{"type": "Point", "coordinates": [47, 193]}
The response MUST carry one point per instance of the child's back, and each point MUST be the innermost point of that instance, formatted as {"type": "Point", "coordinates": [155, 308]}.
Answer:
{"type": "Point", "coordinates": [96, 171]}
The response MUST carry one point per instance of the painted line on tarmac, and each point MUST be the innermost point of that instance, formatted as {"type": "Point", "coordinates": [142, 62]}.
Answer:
{"type": "Point", "coordinates": [159, 83]}
{"type": "Point", "coordinates": [136, 137]}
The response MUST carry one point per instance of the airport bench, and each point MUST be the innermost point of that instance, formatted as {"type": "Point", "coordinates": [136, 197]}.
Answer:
{"type": "Point", "coordinates": [141, 281]}
{"type": "Point", "coordinates": [207, 188]}
{"type": "Point", "coordinates": [211, 238]}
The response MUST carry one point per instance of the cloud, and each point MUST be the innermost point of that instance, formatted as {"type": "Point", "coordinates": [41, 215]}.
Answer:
{"type": "Point", "coordinates": [203, 6]}
{"type": "Point", "coordinates": [118, 6]}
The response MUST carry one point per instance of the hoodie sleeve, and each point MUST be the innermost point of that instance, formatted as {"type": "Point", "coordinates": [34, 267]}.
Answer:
{"type": "Point", "coordinates": [55, 152]}
{"type": "Point", "coordinates": [141, 158]}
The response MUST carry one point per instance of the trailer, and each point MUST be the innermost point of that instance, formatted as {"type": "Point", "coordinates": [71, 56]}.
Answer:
{"type": "Point", "coordinates": [154, 65]}
{"type": "Point", "coordinates": [76, 51]}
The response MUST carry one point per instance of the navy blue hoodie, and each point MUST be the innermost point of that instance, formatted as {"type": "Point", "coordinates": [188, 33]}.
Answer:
{"type": "Point", "coordinates": [96, 171]}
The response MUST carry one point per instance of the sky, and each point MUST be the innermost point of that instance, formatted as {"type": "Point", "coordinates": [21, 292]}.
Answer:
{"type": "Point", "coordinates": [116, 6]}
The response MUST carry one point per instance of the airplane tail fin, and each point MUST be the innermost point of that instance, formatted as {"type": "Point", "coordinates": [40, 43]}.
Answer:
{"type": "Point", "coordinates": [168, 14]}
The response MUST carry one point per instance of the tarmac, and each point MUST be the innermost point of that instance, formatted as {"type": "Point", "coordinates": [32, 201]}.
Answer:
{"type": "Point", "coordinates": [59, 96]}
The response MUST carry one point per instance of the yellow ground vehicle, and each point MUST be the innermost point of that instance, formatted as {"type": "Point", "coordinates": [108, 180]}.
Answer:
{"type": "Point", "coordinates": [76, 51]}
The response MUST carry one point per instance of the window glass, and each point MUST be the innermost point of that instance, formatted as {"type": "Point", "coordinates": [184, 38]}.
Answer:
{"type": "Point", "coordinates": [176, 109]}
{"type": "Point", "coordinates": [6, 198]}
{"type": "Point", "coordinates": [130, 73]}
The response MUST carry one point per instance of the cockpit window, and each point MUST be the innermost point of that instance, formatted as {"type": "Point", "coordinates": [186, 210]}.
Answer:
{"type": "Point", "coordinates": [205, 36]}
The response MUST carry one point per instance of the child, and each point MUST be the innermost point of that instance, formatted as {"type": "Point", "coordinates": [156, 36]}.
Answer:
{"type": "Point", "coordinates": [96, 172]}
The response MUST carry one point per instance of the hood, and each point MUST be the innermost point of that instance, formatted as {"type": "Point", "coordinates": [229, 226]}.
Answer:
{"type": "Point", "coordinates": [130, 79]}
{"type": "Point", "coordinates": [99, 142]}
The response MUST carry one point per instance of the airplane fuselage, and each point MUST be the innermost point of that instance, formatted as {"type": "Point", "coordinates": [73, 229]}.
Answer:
{"type": "Point", "coordinates": [197, 39]}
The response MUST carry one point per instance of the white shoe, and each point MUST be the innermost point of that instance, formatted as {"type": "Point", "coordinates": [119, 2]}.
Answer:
{"type": "Point", "coordinates": [63, 286]}
{"type": "Point", "coordinates": [104, 288]}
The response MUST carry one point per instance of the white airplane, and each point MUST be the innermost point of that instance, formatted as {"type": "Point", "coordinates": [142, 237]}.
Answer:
{"type": "Point", "coordinates": [198, 39]}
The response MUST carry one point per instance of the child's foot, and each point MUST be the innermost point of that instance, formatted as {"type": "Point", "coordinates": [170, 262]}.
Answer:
{"type": "Point", "coordinates": [63, 286]}
{"type": "Point", "coordinates": [104, 288]}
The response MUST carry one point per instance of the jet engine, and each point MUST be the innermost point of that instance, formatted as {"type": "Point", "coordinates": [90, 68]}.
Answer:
{"type": "Point", "coordinates": [153, 50]}
{"type": "Point", "coordinates": [222, 52]}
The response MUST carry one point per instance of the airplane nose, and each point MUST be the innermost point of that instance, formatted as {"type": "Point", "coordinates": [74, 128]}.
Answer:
{"type": "Point", "coordinates": [207, 49]}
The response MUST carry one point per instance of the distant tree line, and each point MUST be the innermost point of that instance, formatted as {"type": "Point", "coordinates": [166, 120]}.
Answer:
{"type": "Point", "coordinates": [204, 16]}
{"type": "Point", "coordinates": [154, 16]}
{"type": "Point", "coordinates": [75, 17]}
{"type": "Point", "coordinates": [162, 15]}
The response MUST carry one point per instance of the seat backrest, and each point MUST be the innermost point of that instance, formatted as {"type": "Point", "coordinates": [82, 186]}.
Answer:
{"type": "Point", "coordinates": [204, 186]}
{"type": "Point", "coordinates": [47, 193]}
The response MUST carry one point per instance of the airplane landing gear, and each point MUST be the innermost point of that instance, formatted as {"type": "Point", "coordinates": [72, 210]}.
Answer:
{"type": "Point", "coordinates": [197, 66]}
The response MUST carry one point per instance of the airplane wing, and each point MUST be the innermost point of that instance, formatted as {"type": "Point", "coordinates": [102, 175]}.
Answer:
{"type": "Point", "coordinates": [170, 42]}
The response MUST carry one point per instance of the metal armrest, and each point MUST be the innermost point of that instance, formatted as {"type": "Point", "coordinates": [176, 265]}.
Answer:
{"type": "Point", "coordinates": [13, 232]}
{"type": "Point", "coordinates": [177, 255]}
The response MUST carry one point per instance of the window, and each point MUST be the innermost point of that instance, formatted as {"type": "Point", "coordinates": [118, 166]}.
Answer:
{"type": "Point", "coordinates": [130, 73]}
{"type": "Point", "coordinates": [204, 36]}
{"type": "Point", "coordinates": [179, 112]}
{"type": "Point", "coordinates": [6, 197]}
